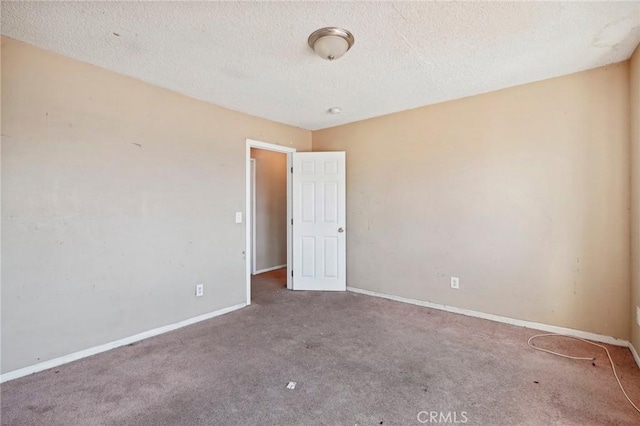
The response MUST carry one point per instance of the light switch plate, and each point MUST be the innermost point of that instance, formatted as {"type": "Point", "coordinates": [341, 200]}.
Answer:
{"type": "Point", "coordinates": [638, 315]}
{"type": "Point", "coordinates": [238, 217]}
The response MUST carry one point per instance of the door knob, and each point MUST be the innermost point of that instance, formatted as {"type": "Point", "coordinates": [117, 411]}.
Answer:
{"type": "Point", "coordinates": [340, 230]}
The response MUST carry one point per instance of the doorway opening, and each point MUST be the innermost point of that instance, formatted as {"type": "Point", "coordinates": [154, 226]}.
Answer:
{"type": "Point", "coordinates": [268, 223]}
{"type": "Point", "coordinates": [268, 215]}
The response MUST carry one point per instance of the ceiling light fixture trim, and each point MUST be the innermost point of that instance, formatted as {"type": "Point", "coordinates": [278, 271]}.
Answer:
{"type": "Point", "coordinates": [331, 42]}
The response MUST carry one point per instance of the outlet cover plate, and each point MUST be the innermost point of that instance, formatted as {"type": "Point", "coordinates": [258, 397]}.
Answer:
{"type": "Point", "coordinates": [455, 282]}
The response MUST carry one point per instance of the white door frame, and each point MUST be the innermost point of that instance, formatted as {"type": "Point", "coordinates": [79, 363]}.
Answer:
{"type": "Point", "coordinates": [250, 143]}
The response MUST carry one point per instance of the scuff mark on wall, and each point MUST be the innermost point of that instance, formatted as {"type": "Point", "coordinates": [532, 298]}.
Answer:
{"type": "Point", "coordinates": [615, 33]}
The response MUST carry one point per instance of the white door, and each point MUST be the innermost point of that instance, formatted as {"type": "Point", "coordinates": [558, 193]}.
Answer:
{"type": "Point", "coordinates": [319, 221]}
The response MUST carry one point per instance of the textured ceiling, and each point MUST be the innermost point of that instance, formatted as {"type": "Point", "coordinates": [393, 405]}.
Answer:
{"type": "Point", "coordinates": [253, 56]}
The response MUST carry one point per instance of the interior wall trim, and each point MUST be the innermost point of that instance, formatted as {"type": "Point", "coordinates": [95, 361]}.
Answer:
{"type": "Point", "coordinates": [45, 365]}
{"type": "Point", "coordinates": [506, 320]}
{"type": "Point", "coordinates": [273, 268]}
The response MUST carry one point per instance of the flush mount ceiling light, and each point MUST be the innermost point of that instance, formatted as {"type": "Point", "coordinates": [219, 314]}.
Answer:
{"type": "Point", "coordinates": [334, 110]}
{"type": "Point", "coordinates": [331, 42]}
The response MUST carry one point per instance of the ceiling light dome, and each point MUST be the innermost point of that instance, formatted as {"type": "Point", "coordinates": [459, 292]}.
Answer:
{"type": "Point", "coordinates": [331, 42]}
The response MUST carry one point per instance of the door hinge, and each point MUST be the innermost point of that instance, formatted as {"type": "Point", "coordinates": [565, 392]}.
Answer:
{"type": "Point", "coordinates": [292, 170]}
{"type": "Point", "coordinates": [292, 272]}
{"type": "Point", "coordinates": [292, 221]}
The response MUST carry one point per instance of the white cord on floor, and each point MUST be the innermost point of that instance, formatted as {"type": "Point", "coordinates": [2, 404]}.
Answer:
{"type": "Point", "coordinates": [613, 367]}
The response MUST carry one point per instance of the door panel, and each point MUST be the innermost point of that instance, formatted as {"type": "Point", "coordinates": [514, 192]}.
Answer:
{"type": "Point", "coordinates": [319, 221]}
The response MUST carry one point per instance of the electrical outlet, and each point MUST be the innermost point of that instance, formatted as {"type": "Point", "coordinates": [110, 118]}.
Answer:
{"type": "Point", "coordinates": [199, 290]}
{"type": "Point", "coordinates": [238, 217]}
{"type": "Point", "coordinates": [455, 282]}
{"type": "Point", "coordinates": [638, 315]}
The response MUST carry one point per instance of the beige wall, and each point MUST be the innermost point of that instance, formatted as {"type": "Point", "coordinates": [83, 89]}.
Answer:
{"type": "Point", "coordinates": [522, 193]}
{"type": "Point", "coordinates": [271, 208]}
{"type": "Point", "coordinates": [118, 197]}
{"type": "Point", "coordinates": [634, 81]}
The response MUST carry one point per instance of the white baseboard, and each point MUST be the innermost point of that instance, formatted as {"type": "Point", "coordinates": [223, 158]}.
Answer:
{"type": "Point", "coordinates": [635, 354]}
{"type": "Point", "coordinates": [273, 268]}
{"type": "Point", "coordinates": [11, 375]}
{"type": "Point", "coordinates": [497, 318]}
{"type": "Point", "coordinates": [41, 366]}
